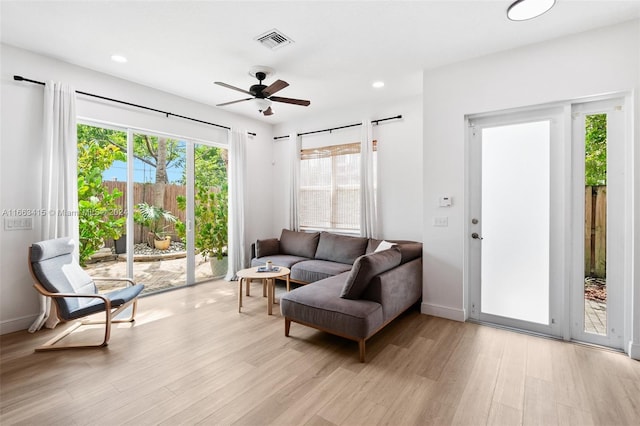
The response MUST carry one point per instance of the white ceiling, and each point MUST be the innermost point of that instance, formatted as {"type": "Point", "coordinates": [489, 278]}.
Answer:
{"type": "Point", "coordinates": [340, 47]}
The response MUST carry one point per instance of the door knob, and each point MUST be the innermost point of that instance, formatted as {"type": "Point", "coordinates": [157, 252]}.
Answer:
{"type": "Point", "coordinates": [475, 236]}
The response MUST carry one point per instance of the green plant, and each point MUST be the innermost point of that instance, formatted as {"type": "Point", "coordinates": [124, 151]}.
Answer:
{"type": "Point", "coordinates": [211, 218]}
{"type": "Point", "coordinates": [100, 217]}
{"type": "Point", "coordinates": [596, 149]}
{"type": "Point", "coordinates": [155, 218]}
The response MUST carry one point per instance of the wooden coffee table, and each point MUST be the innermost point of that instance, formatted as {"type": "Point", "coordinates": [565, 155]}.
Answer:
{"type": "Point", "coordinates": [251, 274]}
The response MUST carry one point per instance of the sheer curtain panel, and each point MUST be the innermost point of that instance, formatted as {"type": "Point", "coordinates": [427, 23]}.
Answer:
{"type": "Point", "coordinates": [368, 204]}
{"type": "Point", "coordinates": [294, 180]}
{"type": "Point", "coordinates": [237, 182]}
{"type": "Point", "coordinates": [59, 178]}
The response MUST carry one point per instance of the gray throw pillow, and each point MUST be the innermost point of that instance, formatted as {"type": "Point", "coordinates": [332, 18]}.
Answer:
{"type": "Point", "coordinates": [365, 268]}
{"type": "Point", "coordinates": [303, 244]}
{"type": "Point", "coordinates": [268, 247]}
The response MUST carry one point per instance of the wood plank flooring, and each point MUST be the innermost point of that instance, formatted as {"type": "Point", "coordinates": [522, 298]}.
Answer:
{"type": "Point", "coordinates": [191, 358]}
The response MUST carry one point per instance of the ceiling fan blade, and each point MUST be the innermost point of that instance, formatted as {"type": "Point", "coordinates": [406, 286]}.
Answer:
{"type": "Point", "coordinates": [275, 87]}
{"type": "Point", "coordinates": [228, 86]}
{"type": "Point", "coordinates": [290, 101]}
{"type": "Point", "coordinates": [268, 111]}
{"type": "Point", "coordinates": [234, 102]}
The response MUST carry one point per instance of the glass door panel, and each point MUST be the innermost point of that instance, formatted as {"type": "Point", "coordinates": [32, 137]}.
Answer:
{"type": "Point", "coordinates": [158, 181]}
{"type": "Point", "coordinates": [600, 213]}
{"type": "Point", "coordinates": [516, 221]}
{"type": "Point", "coordinates": [210, 212]}
{"type": "Point", "coordinates": [102, 201]}
{"type": "Point", "coordinates": [595, 236]}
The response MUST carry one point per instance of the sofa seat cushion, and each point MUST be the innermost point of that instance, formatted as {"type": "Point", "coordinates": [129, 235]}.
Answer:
{"type": "Point", "coordinates": [319, 304]}
{"type": "Point", "coordinates": [340, 248]}
{"type": "Point", "coordinates": [309, 271]}
{"type": "Point", "coordinates": [278, 260]}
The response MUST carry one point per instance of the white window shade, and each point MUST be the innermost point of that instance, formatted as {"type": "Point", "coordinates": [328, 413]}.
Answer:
{"type": "Point", "coordinates": [329, 196]}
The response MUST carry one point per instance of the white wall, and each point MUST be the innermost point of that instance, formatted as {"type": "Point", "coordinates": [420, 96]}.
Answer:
{"type": "Point", "coordinates": [399, 161]}
{"type": "Point", "coordinates": [20, 177]}
{"type": "Point", "coordinates": [592, 63]}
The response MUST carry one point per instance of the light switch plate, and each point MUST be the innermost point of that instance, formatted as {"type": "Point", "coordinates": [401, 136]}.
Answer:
{"type": "Point", "coordinates": [441, 221]}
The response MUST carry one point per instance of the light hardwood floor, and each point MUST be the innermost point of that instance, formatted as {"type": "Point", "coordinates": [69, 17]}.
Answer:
{"type": "Point", "coordinates": [191, 358]}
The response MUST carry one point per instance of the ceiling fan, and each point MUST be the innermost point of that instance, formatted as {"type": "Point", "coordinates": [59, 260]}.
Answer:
{"type": "Point", "coordinates": [262, 95]}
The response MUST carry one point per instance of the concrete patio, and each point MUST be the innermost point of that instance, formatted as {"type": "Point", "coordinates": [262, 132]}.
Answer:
{"type": "Point", "coordinates": [160, 274]}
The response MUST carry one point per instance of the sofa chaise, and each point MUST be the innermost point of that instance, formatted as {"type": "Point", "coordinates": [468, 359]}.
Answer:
{"type": "Point", "coordinates": [354, 286]}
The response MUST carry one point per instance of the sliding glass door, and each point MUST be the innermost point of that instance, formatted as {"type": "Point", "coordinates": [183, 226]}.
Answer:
{"type": "Point", "coordinates": [155, 206]}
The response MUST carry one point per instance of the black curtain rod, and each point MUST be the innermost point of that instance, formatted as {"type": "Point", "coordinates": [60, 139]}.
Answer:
{"type": "Point", "coordinates": [20, 78]}
{"type": "Point", "coordinates": [341, 127]}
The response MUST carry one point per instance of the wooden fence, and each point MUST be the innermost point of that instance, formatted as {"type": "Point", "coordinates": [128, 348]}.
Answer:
{"type": "Point", "coordinates": [144, 193]}
{"type": "Point", "coordinates": [595, 231]}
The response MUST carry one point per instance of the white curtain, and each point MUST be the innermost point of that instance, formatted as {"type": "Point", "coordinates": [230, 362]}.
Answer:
{"type": "Point", "coordinates": [237, 182]}
{"type": "Point", "coordinates": [294, 180]}
{"type": "Point", "coordinates": [59, 178]}
{"type": "Point", "coordinates": [368, 207]}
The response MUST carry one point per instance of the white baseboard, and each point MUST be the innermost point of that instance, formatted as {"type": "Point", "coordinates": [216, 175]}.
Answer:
{"type": "Point", "coordinates": [634, 350]}
{"type": "Point", "coordinates": [16, 324]}
{"type": "Point", "coordinates": [443, 311]}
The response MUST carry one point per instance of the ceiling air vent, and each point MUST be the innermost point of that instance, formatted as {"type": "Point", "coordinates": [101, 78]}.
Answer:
{"type": "Point", "coordinates": [274, 39]}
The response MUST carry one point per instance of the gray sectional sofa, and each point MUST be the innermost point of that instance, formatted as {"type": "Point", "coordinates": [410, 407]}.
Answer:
{"type": "Point", "coordinates": [355, 286]}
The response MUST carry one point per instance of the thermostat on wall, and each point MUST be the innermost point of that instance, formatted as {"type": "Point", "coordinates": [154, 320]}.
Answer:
{"type": "Point", "coordinates": [444, 201]}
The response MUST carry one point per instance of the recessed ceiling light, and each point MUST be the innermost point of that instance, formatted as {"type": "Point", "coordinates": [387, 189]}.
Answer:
{"type": "Point", "coordinates": [378, 84]}
{"type": "Point", "coordinates": [521, 10]}
{"type": "Point", "coordinates": [118, 58]}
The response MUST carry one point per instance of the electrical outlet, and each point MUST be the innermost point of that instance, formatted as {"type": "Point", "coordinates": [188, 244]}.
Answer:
{"type": "Point", "coordinates": [18, 223]}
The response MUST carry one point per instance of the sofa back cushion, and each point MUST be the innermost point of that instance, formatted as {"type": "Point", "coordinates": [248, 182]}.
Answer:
{"type": "Point", "coordinates": [410, 251]}
{"type": "Point", "coordinates": [340, 248]}
{"type": "Point", "coordinates": [303, 244]}
{"type": "Point", "coordinates": [365, 268]}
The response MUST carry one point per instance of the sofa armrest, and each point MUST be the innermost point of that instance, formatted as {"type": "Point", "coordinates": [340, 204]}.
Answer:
{"type": "Point", "coordinates": [396, 289]}
{"type": "Point", "coordinates": [253, 251]}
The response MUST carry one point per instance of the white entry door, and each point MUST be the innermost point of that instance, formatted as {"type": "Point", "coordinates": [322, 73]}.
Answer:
{"type": "Point", "coordinates": [515, 232]}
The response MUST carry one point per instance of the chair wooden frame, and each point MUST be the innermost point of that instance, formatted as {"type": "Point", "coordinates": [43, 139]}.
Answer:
{"type": "Point", "coordinates": [109, 313]}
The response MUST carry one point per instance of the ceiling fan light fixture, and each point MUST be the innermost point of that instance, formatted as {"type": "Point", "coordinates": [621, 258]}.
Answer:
{"type": "Point", "coordinates": [261, 103]}
{"type": "Point", "coordinates": [522, 10]}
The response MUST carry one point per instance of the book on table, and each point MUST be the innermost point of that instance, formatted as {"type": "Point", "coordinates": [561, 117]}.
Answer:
{"type": "Point", "coordinates": [264, 269]}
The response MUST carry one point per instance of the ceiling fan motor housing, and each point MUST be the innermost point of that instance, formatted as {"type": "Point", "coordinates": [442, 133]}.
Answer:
{"type": "Point", "coordinates": [256, 90]}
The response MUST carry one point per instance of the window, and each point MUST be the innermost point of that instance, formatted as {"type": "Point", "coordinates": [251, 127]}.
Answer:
{"type": "Point", "coordinates": [329, 197]}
